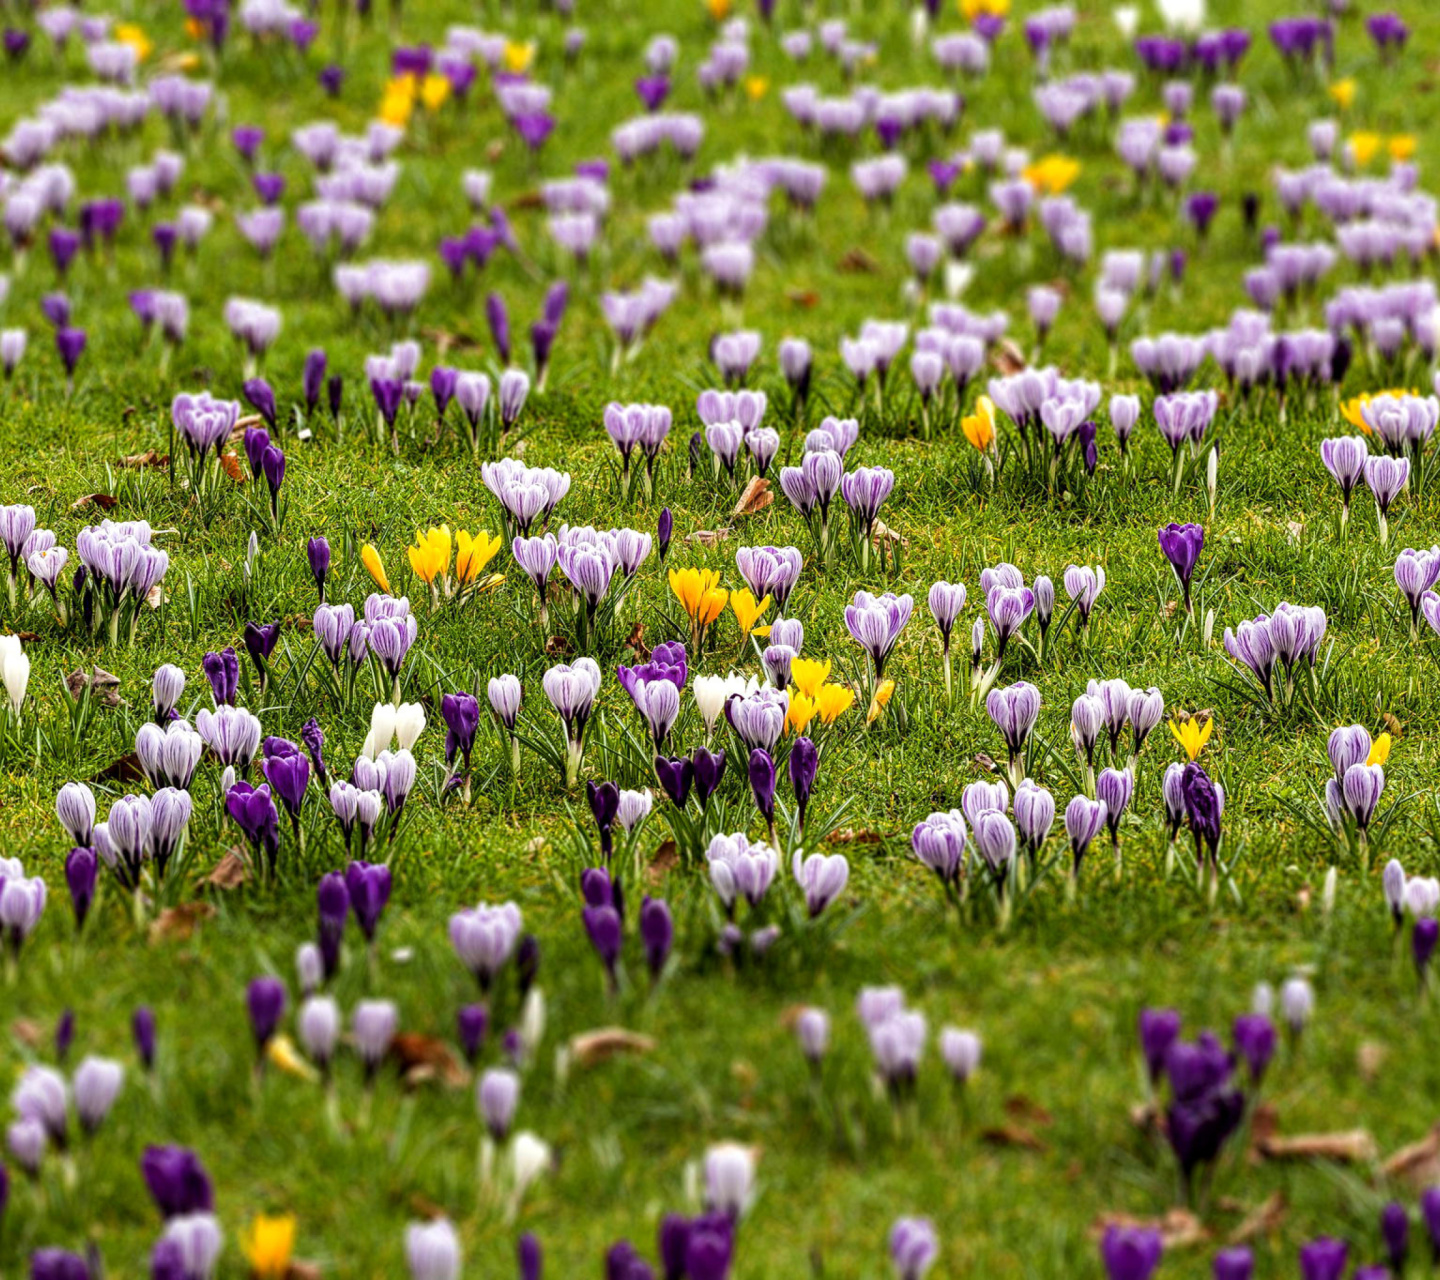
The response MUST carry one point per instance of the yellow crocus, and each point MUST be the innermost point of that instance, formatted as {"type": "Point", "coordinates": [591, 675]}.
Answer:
{"type": "Point", "coordinates": [833, 701]}
{"type": "Point", "coordinates": [268, 1244]}
{"type": "Point", "coordinates": [430, 556]}
{"type": "Point", "coordinates": [1380, 750]}
{"type": "Point", "coordinates": [690, 586]}
{"type": "Point", "coordinates": [282, 1052]}
{"type": "Point", "coordinates": [719, 9]}
{"type": "Point", "coordinates": [1051, 174]}
{"type": "Point", "coordinates": [132, 34]}
{"type": "Point", "coordinates": [1402, 147]}
{"type": "Point", "coordinates": [712, 605]}
{"type": "Point", "coordinates": [801, 711]}
{"type": "Point", "coordinates": [1352, 410]}
{"type": "Point", "coordinates": [1342, 92]}
{"type": "Point", "coordinates": [472, 554]}
{"type": "Point", "coordinates": [434, 91]}
{"type": "Point", "coordinates": [195, 29]}
{"type": "Point", "coordinates": [807, 675]}
{"type": "Point", "coordinates": [396, 111]}
{"type": "Point", "coordinates": [972, 9]}
{"type": "Point", "coordinates": [1191, 734]}
{"type": "Point", "coordinates": [979, 427]}
{"type": "Point", "coordinates": [370, 558]}
{"type": "Point", "coordinates": [747, 611]}
{"type": "Point", "coordinates": [756, 87]}
{"type": "Point", "coordinates": [880, 700]}
{"type": "Point", "coordinates": [519, 54]}
{"type": "Point", "coordinates": [1364, 146]}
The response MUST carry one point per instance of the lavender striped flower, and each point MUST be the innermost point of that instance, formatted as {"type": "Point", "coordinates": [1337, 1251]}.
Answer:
{"type": "Point", "coordinates": [1084, 820]}
{"type": "Point", "coordinates": [875, 624]}
{"type": "Point", "coordinates": [939, 843]}
{"type": "Point", "coordinates": [1014, 711]}
{"type": "Point", "coordinates": [1083, 584]}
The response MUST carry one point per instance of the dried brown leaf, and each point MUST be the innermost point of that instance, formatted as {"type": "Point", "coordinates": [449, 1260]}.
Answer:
{"type": "Point", "coordinates": [635, 642]}
{"type": "Point", "coordinates": [230, 464]}
{"type": "Point", "coordinates": [1344, 1147]}
{"type": "Point", "coordinates": [884, 533]}
{"type": "Point", "coordinates": [983, 761]}
{"type": "Point", "coordinates": [155, 597]}
{"type": "Point", "coordinates": [230, 872]}
{"type": "Point", "coordinates": [1263, 1220]}
{"type": "Point", "coordinates": [180, 922]}
{"type": "Point", "coordinates": [1177, 1227]}
{"type": "Point", "coordinates": [757, 497]}
{"type": "Point", "coordinates": [104, 687]}
{"type": "Point", "coordinates": [1418, 1163]}
{"type": "Point", "coordinates": [303, 1271]}
{"type": "Point", "coordinates": [806, 298]}
{"type": "Point", "coordinates": [527, 200]}
{"type": "Point", "coordinates": [425, 1058]}
{"type": "Point", "coordinates": [857, 259]}
{"type": "Point", "coordinates": [666, 858]}
{"type": "Point", "coordinates": [590, 1047]}
{"type": "Point", "coordinates": [28, 1032]}
{"type": "Point", "coordinates": [1012, 1135]}
{"type": "Point", "coordinates": [1369, 1058]}
{"type": "Point", "coordinates": [1019, 1107]}
{"type": "Point", "coordinates": [1393, 727]}
{"type": "Point", "coordinates": [1007, 357]}
{"type": "Point", "coordinates": [150, 458]}
{"type": "Point", "coordinates": [849, 835]}
{"type": "Point", "coordinates": [495, 150]}
{"type": "Point", "coordinates": [124, 769]}
{"type": "Point", "coordinates": [708, 537]}
{"type": "Point", "coordinates": [558, 645]}
{"type": "Point", "coordinates": [105, 501]}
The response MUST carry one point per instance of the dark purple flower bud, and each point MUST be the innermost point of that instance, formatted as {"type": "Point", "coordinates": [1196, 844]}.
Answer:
{"type": "Point", "coordinates": [1422, 942]}
{"type": "Point", "coordinates": [709, 770]}
{"type": "Point", "coordinates": [262, 398]}
{"type": "Point", "coordinates": [530, 1258]}
{"type": "Point", "coordinates": [70, 343]}
{"type": "Point", "coordinates": [473, 1021]}
{"type": "Point", "coordinates": [64, 1036]}
{"type": "Point", "coordinates": [312, 378]}
{"type": "Point", "coordinates": [664, 530]}
{"type": "Point", "coordinates": [335, 393]}
{"type": "Point", "coordinates": [595, 887]}
{"type": "Point", "coordinates": [273, 464]}
{"type": "Point", "coordinates": [1395, 1231]}
{"type": "Point", "coordinates": [657, 932]}
{"type": "Point", "coordinates": [167, 1260]}
{"type": "Point", "coordinates": [804, 762]}
{"type": "Point", "coordinates": [1159, 1029]}
{"type": "Point", "coordinates": [333, 897]}
{"type": "Point", "coordinates": [4, 1192]}
{"type": "Point", "coordinates": [652, 91]}
{"type": "Point", "coordinates": [673, 1242]}
{"type": "Point", "coordinates": [499, 320]}
{"type": "Point", "coordinates": [1203, 805]}
{"type": "Point", "coordinates": [260, 640]}
{"type": "Point", "coordinates": [603, 926]}
{"type": "Point", "coordinates": [269, 187]}
{"type": "Point", "coordinates": [1131, 1253]}
{"type": "Point", "coordinates": [675, 777]}
{"type": "Point", "coordinates": [317, 551]}
{"type": "Point", "coordinates": [64, 245]}
{"type": "Point", "coordinates": [142, 1028]}
{"type": "Point", "coordinates": [604, 805]}
{"type": "Point", "coordinates": [58, 1264]}
{"type": "Point", "coordinates": [442, 387]}
{"type": "Point", "coordinates": [1182, 544]}
{"type": "Point", "coordinates": [332, 78]}
{"type": "Point", "coordinates": [247, 139]}
{"type": "Point", "coordinates": [710, 1247]}
{"type": "Point", "coordinates": [177, 1181]}
{"type": "Point", "coordinates": [257, 440]}
{"type": "Point", "coordinates": [222, 670]}
{"type": "Point", "coordinates": [1323, 1259]}
{"type": "Point", "coordinates": [762, 783]}
{"type": "Point", "coordinates": [265, 1001]}
{"type": "Point", "coordinates": [1234, 1264]}
{"type": "Point", "coordinates": [314, 741]}
{"type": "Point", "coordinates": [527, 963]}
{"type": "Point", "coordinates": [1255, 1042]}
{"type": "Point", "coordinates": [82, 868]}
{"type": "Point", "coordinates": [461, 712]}
{"type": "Point", "coordinates": [368, 885]}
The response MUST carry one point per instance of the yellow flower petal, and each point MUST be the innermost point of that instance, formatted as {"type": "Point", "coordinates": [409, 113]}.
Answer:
{"type": "Point", "coordinates": [268, 1244]}
{"type": "Point", "coordinates": [802, 711]}
{"type": "Point", "coordinates": [282, 1052]}
{"type": "Point", "coordinates": [434, 91]}
{"type": "Point", "coordinates": [808, 674]}
{"type": "Point", "coordinates": [370, 558]}
{"type": "Point", "coordinates": [1343, 93]}
{"type": "Point", "coordinates": [472, 554]}
{"type": "Point", "coordinates": [979, 427]}
{"type": "Point", "coordinates": [1380, 751]}
{"type": "Point", "coordinates": [833, 700]}
{"type": "Point", "coordinates": [880, 701]}
{"type": "Point", "coordinates": [519, 55]}
{"type": "Point", "coordinates": [747, 611]}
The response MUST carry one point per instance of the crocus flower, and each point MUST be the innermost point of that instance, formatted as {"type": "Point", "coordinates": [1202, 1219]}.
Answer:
{"type": "Point", "coordinates": [1130, 1253]}
{"type": "Point", "coordinates": [914, 1246]}
{"type": "Point", "coordinates": [1181, 544]}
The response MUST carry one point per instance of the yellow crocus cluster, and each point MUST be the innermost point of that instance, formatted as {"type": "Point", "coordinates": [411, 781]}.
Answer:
{"type": "Point", "coordinates": [1052, 174]}
{"type": "Point", "coordinates": [1342, 93]}
{"type": "Point", "coordinates": [979, 427]}
{"type": "Point", "coordinates": [701, 596]}
{"type": "Point", "coordinates": [397, 103]}
{"type": "Point", "coordinates": [1365, 146]}
{"type": "Point", "coordinates": [134, 35]}
{"type": "Point", "coordinates": [973, 9]}
{"type": "Point", "coordinates": [519, 55]}
{"type": "Point", "coordinates": [268, 1244]}
{"type": "Point", "coordinates": [1191, 734]}
{"type": "Point", "coordinates": [808, 675]}
{"type": "Point", "coordinates": [430, 559]}
{"type": "Point", "coordinates": [756, 87]}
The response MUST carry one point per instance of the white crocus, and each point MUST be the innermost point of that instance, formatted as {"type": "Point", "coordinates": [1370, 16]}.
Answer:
{"type": "Point", "coordinates": [711, 694]}
{"type": "Point", "coordinates": [382, 730]}
{"type": "Point", "coordinates": [1182, 15]}
{"type": "Point", "coordinates": [14, 671]}
{"type": "Point", "coordinates": [409, 724]}
{"type": "Point", "coordinates": [1127, 19]}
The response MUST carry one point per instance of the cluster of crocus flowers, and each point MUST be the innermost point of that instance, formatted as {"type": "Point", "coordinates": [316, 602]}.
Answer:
{"type": "Point", "coordinates": [702, 598]}
{"type": "Point", "coordinates": [430, 559]}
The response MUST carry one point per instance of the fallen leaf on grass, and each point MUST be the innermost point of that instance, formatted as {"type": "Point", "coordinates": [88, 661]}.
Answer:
{"type": "Point", "coordinates": [806, 298]}
{"type": "Point", "coordinates": [884, 533]}
{"type": "Point", "coordinates": [105, 501]}
{"type": "Point", "coordinates": [444, 340]}
{"type": "Point", "coordinates": [848, 835]}
{"type": "Point", "coordinates": [424, 1058]}
{"type": "Point", "coordinates": [1019, 1107]}
{"type": "Point", "coordinates": [150, 458]}
{"type": "Point", "coordinates": [635, 642]}
{"type": "Point", "coordinates": [125, 769]}
{"type": "Point", "coordinates": [558, 645]}
{"type": "Point", "coordinates": [423, 1207]}
{"type": "Point", "coordinates": [230, 872]}
{"type": "Point", "coordinates": [1012, 1135]}
{"type": "Point", "coordinates": [230, 464]}
{"type": "Point", "coordinates": [1263, 1220]}
{"type": "Point", "coordinates": [155, 597]}
{"type": "Point", "coordinates": [667, 856]}
{"type": "Point", "coordinates": [304, 1271]}
{"type": "Point", "coordinates": [1393, 727]}
{"type": "Point", "coordinates": [708, 537]}
{"type": "Point", "coordinates": [176, 924]}
{"type": "Point", "coordinates": [858, 260]}
{"type": "Point", "coordinates": [1344, 1147]}
{"type": "Point", "coordinates": [527, 200]}
{"type": "Point", "coordinates": [1008, 358]}
{"type": "Point", "coordinates": [1177, 1227]}
{"type": "Point", "coordinates": [104, 687]}
{"type": "Point", "coordinates": [28, 1032]}
{"type": "Point", "coordinates": [757, 497]}
{"type": "Point", "coordinates": [590, 1047]}
{"type": "Point", "coordinates": [1418, 1163]}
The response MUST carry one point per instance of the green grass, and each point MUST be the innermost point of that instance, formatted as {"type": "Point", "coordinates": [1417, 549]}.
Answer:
{"type": "Point", "coordinates": [1055, 998]}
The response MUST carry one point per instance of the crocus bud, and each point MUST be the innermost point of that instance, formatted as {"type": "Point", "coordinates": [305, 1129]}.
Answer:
{"type": "Point", "coordinates": [166, 691]}
{"type": "Point", "coordinates": [530, 1257]}
{"type": "Point", "coordinates": [82, 868]}
{"type": "Point", "coordinates": [804, 762]}
{"type": "Point", "coordinates": [142, 1027]}
{"type": "Point", "coordinates": [472, 1021]}
{"type": "Point", "coordinates": [664, 529]}
{"type": "Point", "coordinates": [497, 1096]}
{"type": "Point", "coordinates": [64, 1036]}
{"type": "Point", "coordinates": [657, 932]}
{"type": "Point", "coordinates": [812, 1027]}
{"type": "Point", "coordinates": [317, 551]}
{"type": "Point", "coordinates": [1422, 942]}
{"type": "Point", "coordinates": [265, 1001]}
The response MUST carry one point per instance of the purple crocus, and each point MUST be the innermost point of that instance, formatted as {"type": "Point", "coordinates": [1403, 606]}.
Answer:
{"type": "Point", "coordinates": [265, 1001]}
{"type": "Point", "coordinates": [1131, 1253]}
{"type": "Point", "coordinates": [1182, 544]}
